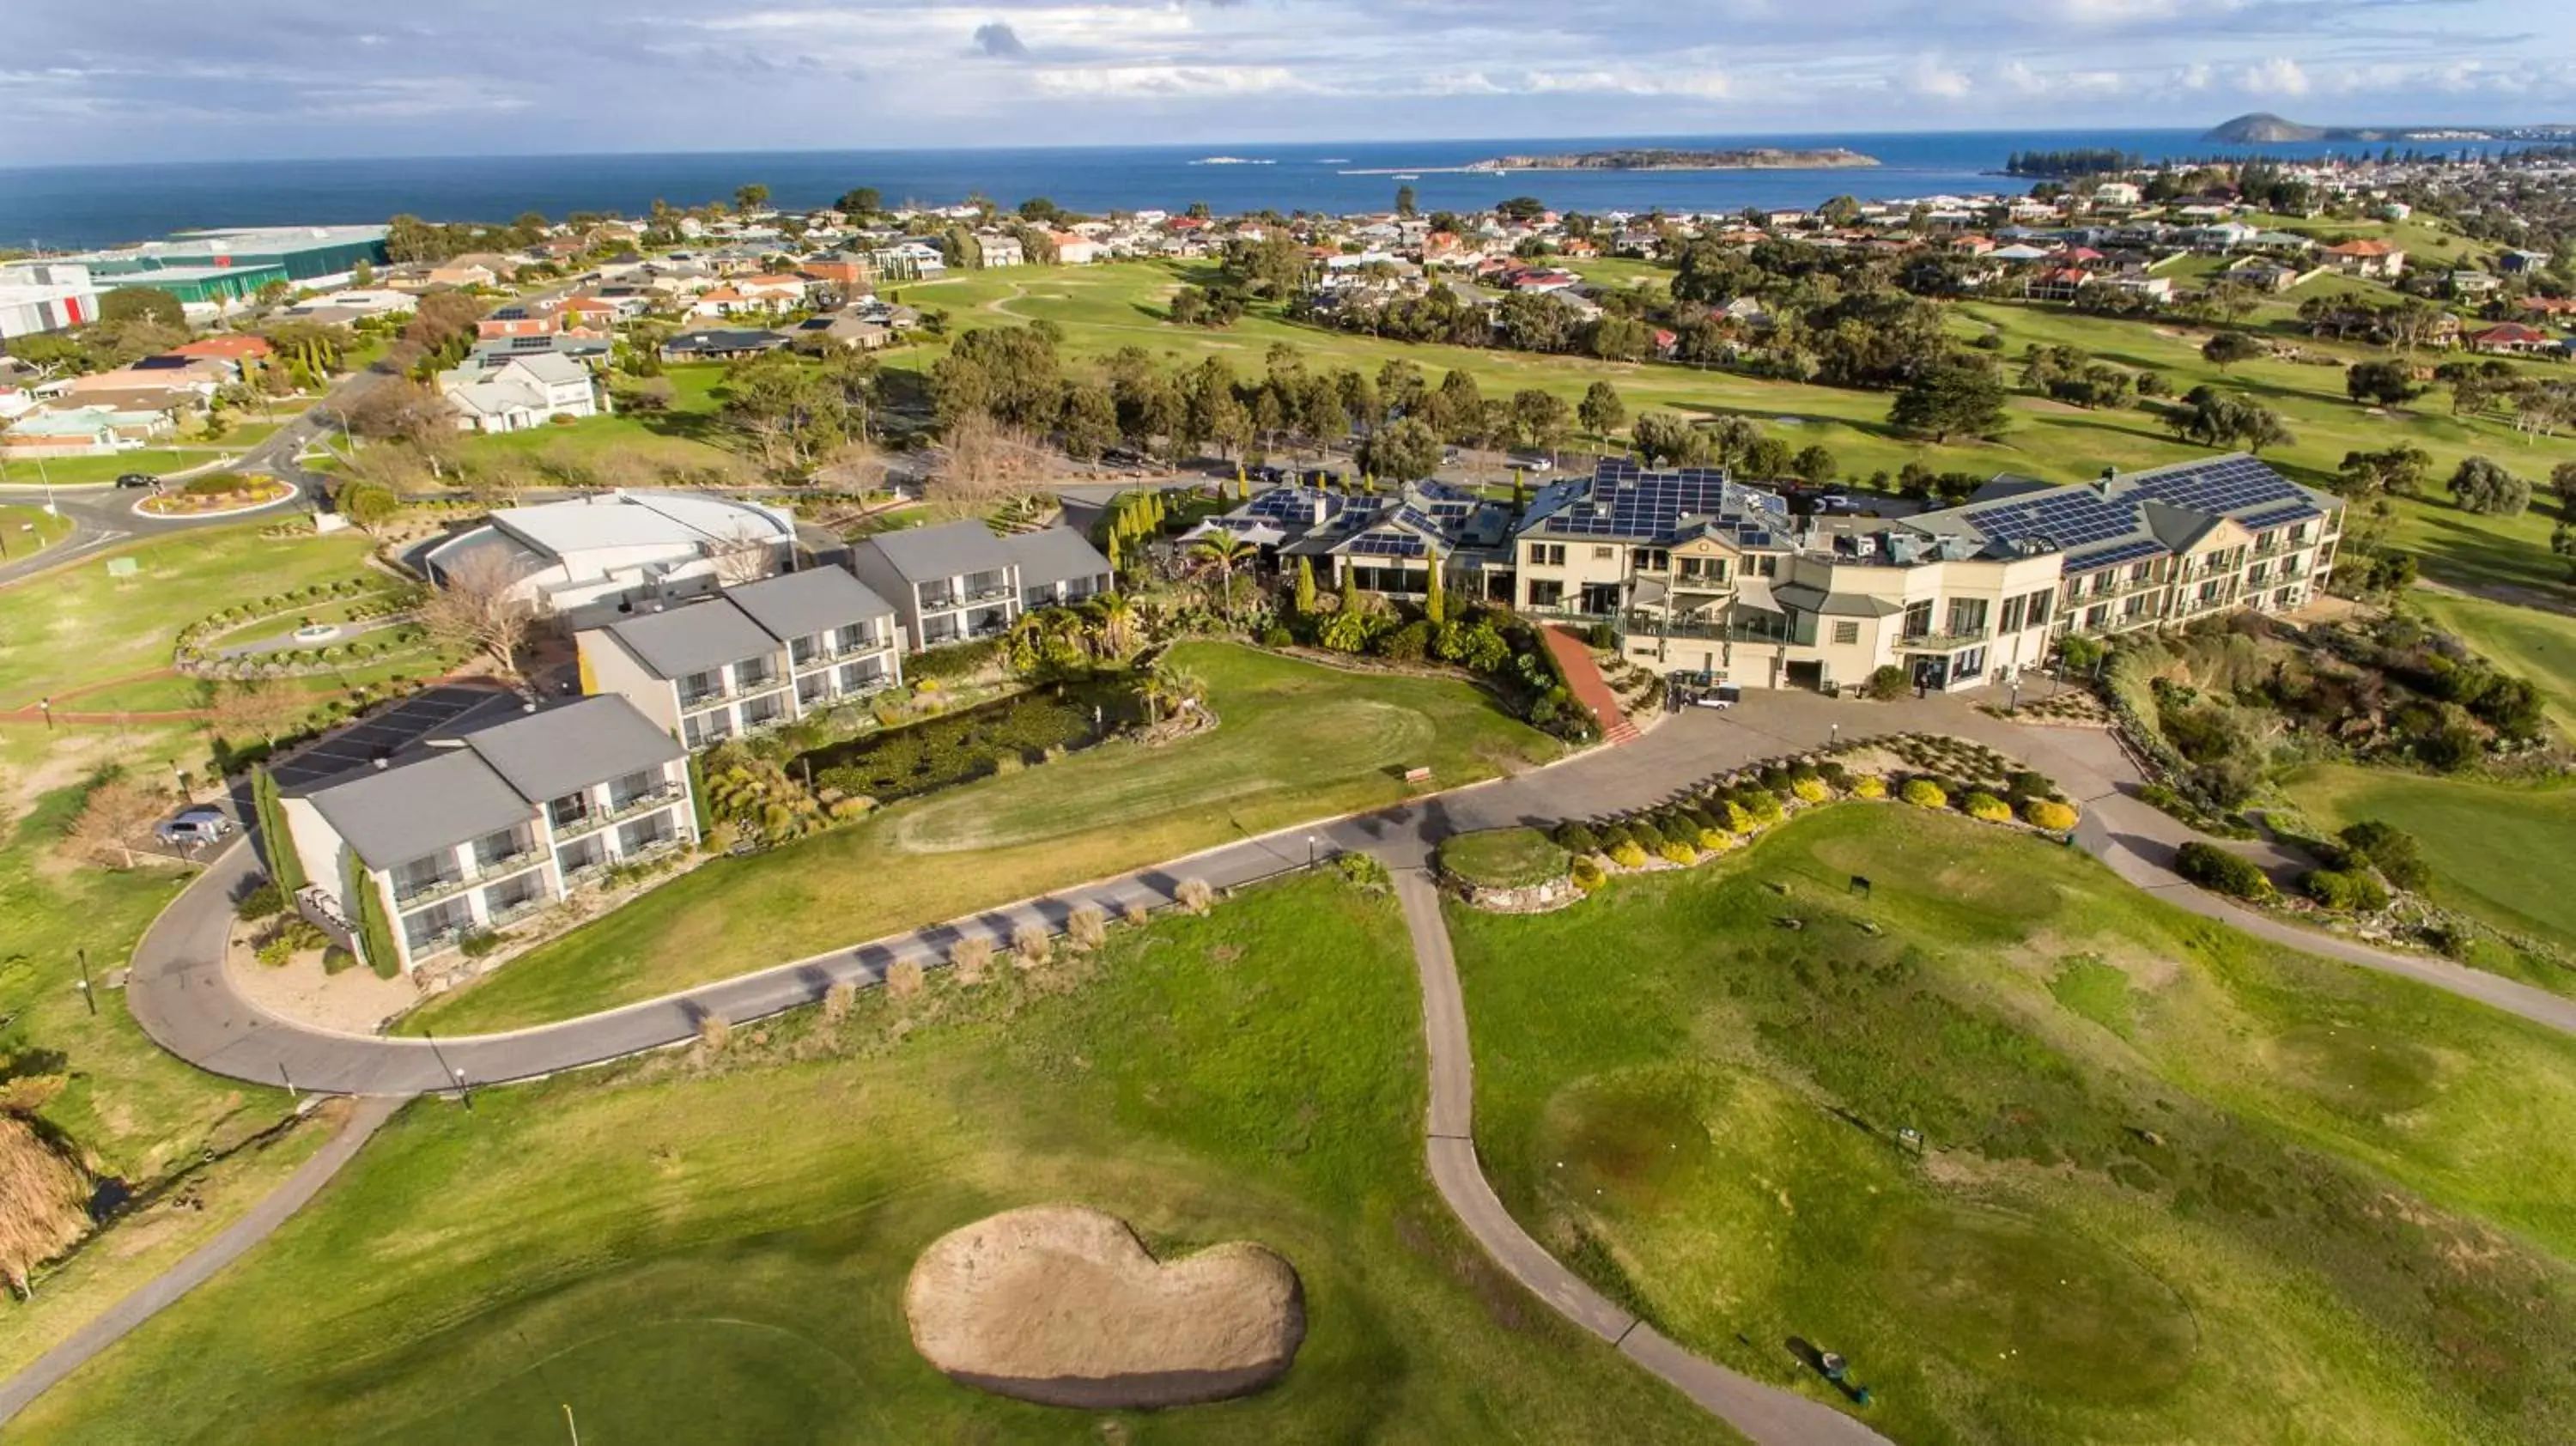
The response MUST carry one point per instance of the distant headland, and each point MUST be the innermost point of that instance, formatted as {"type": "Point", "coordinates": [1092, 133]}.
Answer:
{"type": "Point", "coordinates": [2262, 128]}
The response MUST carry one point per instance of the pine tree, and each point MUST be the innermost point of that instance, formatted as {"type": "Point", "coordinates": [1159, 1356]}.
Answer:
{"type": "Point", "coordinates": [1306, 587]}
{"type": "Point", "coordinates": [1435, 604]}
{"type": "Point", "coordinates": [1350, 588]}
{"type": "Point", "coordinates": [284, 868]}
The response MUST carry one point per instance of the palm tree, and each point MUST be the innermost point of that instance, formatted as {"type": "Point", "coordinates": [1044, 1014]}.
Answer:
{"type": "Point", "coordinates": [1113, 624]}
{"type": "Point", "coordinates": [1176, 686]}
{"type": "Point", "coordinates": [1225, 550]}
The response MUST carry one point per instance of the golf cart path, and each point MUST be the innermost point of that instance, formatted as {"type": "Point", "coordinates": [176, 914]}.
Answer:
{"type": "Point", "coordinates": [199, 1265]}
{"type": "Point", "coordinates": [1765, 1414]}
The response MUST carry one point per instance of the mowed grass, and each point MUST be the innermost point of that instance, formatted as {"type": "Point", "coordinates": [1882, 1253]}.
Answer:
{"type": "Point", "coordinates": [2173, 1184]}
{"type": "Point", "coordinates": [1295, 741]}
{"type": "Point", "coordinates": [27, 530]}
{"type": "Point", "coordinates": [77, 625]}
{"type": "Point", "coordinates": [2499, 852]}
{"type": "Point", "coordinates": [22, 471]}
{"type": "Point", "coordinates": [1503, 858]}
{"type": "Point", "coordinates": [715, 1253]}
{"type": "Point", "coordinates": [2540, 646]}
{"type": "Point", "coordinates": [685, 434]}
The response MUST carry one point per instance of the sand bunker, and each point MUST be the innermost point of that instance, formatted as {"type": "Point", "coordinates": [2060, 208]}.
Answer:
{"type": "Point", "coordinates": [1064, 1306]}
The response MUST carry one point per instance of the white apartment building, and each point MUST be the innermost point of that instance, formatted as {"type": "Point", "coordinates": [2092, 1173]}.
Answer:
{"type": "Point", "coordinates": [470, 833]}
{"type": "Point", "coordinates": [959, 581]}
{"type": "Point", "coordinates": [748, 658]}
{"type": "Point", "coordinates": [624, 548]}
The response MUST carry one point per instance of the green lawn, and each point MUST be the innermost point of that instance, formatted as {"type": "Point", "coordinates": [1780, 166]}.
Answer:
{"type": "Point", "coordinates": [79, 625]}
{"type": "Point", "coordinates": [1503, 858]}
{"type": "Point", "coordinates": [27, 530]}
{"type": "Point", "coordinates": [2174, 1185]}
{"type": "Point", "coordinates": [715, 1253]}
{"type": "Point", "coordinates": [685, 435]}
{"type": "Point", "coordinates": [2498, 852]}
{"type": "Point", "coordinates": [2540, 646]}
{"type": "Point", "coordinates": [1295, 741]}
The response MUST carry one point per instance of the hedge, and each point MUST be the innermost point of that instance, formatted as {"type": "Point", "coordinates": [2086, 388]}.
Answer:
{"type": "Point", "coordinates": [2221, 872]}
{"type": "Point", "coordinates": [2049, 814]}
{"type": "Point", "coordinates": [1924, 793]}
{"type": "Point", "coordinates": [2349, 891]}
{"type": "Point", "coordinates": [1986, 808]}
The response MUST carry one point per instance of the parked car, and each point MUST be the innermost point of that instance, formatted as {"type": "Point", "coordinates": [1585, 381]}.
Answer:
{"type": "Point", "coordinates": [138, 479]}
{"type": "Point", "coordinates": [1536, 464]}
{"type": "Point", "coordinates": [1724, 695]}
{"type": "Point", "coordinates": [194, 826]}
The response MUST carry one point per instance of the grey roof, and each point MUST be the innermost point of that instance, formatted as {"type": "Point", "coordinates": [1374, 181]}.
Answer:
{"type": "Point", "coordinates": [439, 800]}
{"type": "Point", "coordinates": [693, 638]}
{"type": "Point", "coordinates": [928, 554]}
{"type": "Point", "coordinates": [557, 751]}
{"type": "Point", "coordinates": [796, 605]}
{"type": "Point", "coordinates": [1053, 555]}
{"type": "Point", "coordinates": [1809, 598]}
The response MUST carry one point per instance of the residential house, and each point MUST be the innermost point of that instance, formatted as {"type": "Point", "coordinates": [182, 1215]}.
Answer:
{"type": "Point", "coordinates": [850, 329]}
{"type": "Point", "coordinates": [749, 657]}
{"type": "Point", "coordinates": [2518, 262]}
{"type": "Point", "coordinates": [467, 834]}
{"type": "Point", "coordinates": [721, 343]}
{"type": "Point", "coordinates": [2510, 338]}
{"type": "Point", "coordinates": [87, 430]}
{"type": "Point", "coordinates": [522, 392]}
{"type": "Point", "coordinates": [1072, 248]}
{"type": "Point", "coordinates": [959, 581]}
{"type": "Point", "coordinates": [589, 557]}
{"type": "Point", "coordinates": [475, 268]}
{"type": "Point", "coordinates": [2376, 260]}
{"type": "Point", "coordinates": [994, 250]}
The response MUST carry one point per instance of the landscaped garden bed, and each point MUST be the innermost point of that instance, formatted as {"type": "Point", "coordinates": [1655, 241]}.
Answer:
{"type": "Point", "coordinates": [1509, 870]}
{"type": "Point", "coordinates": [991, 738]}
{"type": "Point", "coordinates": [215, 495]}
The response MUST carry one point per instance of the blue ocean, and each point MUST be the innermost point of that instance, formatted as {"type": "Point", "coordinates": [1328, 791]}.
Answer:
{"type": "Point", "coordinates": [70, 206]}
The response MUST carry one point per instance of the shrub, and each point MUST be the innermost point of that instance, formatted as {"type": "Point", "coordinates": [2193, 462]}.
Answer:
{"type": "Point", "coordinates": [1836, 777]}
{"type": "Point", "coordinates": [1032, 944]}
{"type": "Point", "coordinates": [1986, 807]}
{"type": "Point", "coordinates": [837, 1000]}
{"type": "Point", "coordinates": [1194, 895]}
{"type": "Point", "coordinates": [1577, 838]}
{"type": "Point", "coordinates": [1617, 836]}
{"type": "Point", "coordinates": [1277, 637]}
{"type": "Point", "coordinates": [1886, 683]}
{"type": "Point", "coordinates": [1087, 926]}
{"type": "Point", "coordinates": [1762, 804]}
{"type": "Point", "coordinates": [1810, 790]}
{"type": "Point", "coordinates": [2347, 891]}
{"type": "Point", "coordinates": [1731, 816]}
{"type": "Point", "coordinates": [1365, 871]}
{"type": "Point", "coordinates": [1628, 856]}
{"type": "Point", "coordinates": [1136, 912]}
{"type": "Point", "coordinates": [1587, 875]}
{"type": "Point", "coordinates": [1715, 840]}
{"type": "Point", "coordinates": [714, 1032]}
{"type": "Point", "coordinates": [337, 960]}
{"type": "Point", "coordinates": [1646, 834]}
{"type": "Point", "coordinates": [1869, 785]}
{"type": "Point", "coordinates": [1679, 853]}
{"type": "Point", "coordinates": [970, 956]}
{"type": "Point", "coordinates": [2221, 872]}
{"type": "Point", "coordinates": [386, 965]}
{"type": "Point", "coordinates": [262, 900]}
{"type": "Point", "coordinates": [2389, 849]}
{"type": "Point", "coordinates": [482, 942]}
{"type": "Point", "coordinates": [904, 978]}
{"type": "Point", "coordinates": [2049, 814]}
{"type": "Point", "coordinates": [1924, 793]}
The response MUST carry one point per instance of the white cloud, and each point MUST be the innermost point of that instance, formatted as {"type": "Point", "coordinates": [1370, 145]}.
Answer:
{"type": "Point", "coordinates": [1142, 81]}
{"type": "Point", "coordinates": [2279, 75]}
{"type": "Point", "coordinates": [1926, 75]}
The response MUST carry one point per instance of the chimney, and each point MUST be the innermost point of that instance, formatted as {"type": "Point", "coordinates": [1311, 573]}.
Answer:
{"type": "Point", "coordinates": [1318, 506]}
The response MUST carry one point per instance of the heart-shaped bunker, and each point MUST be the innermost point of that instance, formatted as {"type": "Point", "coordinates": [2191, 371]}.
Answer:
{"type": "Point", "coordinates": [1065, 1306]}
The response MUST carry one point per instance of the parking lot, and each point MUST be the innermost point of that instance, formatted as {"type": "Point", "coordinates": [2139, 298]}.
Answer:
{"type": "Point", "coordinates": [384, 734]}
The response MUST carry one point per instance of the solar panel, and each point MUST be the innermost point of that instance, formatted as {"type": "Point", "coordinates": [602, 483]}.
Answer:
{"type": "Point", "coordinates": [2114, 554]}
{"type": "Point", "coordinates": [1385, 544]}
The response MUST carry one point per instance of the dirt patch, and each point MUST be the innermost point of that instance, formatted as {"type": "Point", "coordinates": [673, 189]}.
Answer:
{"type": "Point", "coordinates": [1064, 1306]}
{"type": "Point", "coordinates": [353, 1001]}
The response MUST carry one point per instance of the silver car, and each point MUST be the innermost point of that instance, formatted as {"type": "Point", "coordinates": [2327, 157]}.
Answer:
{"type": "Point", "coordinates": [194, 826]}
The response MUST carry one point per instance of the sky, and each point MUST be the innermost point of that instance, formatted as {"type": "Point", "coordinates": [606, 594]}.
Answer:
{"type": "Point", "coordinates": [166, 80]}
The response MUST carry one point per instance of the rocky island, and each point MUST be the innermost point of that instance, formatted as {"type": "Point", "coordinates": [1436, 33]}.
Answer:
{"type": "Point", "coordinates": [1761, 158]}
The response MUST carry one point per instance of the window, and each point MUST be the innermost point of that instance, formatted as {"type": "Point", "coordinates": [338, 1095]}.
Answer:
{"type": "Point", "coordinates": [2039, 606]}
{"type": "Point", "coordinates": [568, 810]}
{"type": "Point", "coordinates": [1546, 594]}
{"type": "Point", "coordinates": [1604, 554]}
{"type": "Point", "coordinates": [753, 673]}
{"type": "Point", "coordinates": [498, 848]}
{"type": "Point", "coordinates": [1547, 554]}
{"type": "Point", "coordinates": [1969, 664]}
{"type": "Point", "coordinates": [2102, 582]}
{"type": "Point", "coordinates": [2142, 574]}
{"type": "Point", "coordinates": [1766, 566]}
{"type": "Point", "coordinates": [698, 688]}
{"type": "Point", "coordinates": [2012, 615]}
{"type": "Point", "coordinates": [1846, 632]}
{"type": "Point", "coordinates": [626, 790]}
{"type": "Point", "coordinates": [422, 875]}
{"type": "Point", "coordinates": [1918, 619]}
{"type": "Point", "coordinates": [2096, 615]}
{"type": "Point", "coordinates": [1967, 617]}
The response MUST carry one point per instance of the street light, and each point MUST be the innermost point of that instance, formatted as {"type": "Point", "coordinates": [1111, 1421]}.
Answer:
{"type": "Point", "coordinates": [1310, 850]}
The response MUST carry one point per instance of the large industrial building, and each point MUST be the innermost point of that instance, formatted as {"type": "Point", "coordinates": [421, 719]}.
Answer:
{"type": "Point", "coordinates": [217, 268]}
{"type": "Point", "coordinates": [42, 296]}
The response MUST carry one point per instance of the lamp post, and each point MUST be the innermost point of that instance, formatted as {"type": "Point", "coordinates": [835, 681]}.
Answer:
{"type": "Point", "coordinates": [1310, 850]}
{"type": "Point", "coordinates": [89, 996]}
{"type": "Point", "coordinates": [1834, 734]}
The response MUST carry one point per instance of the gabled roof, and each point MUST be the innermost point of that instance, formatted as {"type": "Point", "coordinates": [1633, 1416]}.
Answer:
{"type": "Point", "coordinates": [548, 754]}
{"type": "Point", "coordinates": [437, 801]}
{"type": "Point", "coordinates": [1053, 555]}
{"type": "Point", "coordinates": [954, 549]}
{"type": "Point", "coordinates": [796, 605]}
{"type": "Point", "coordinates": [692, 638]}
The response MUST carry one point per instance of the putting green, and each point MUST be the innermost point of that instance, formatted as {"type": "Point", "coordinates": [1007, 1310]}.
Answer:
{"type": "Point", "coordinates": [1637, 1139]}
{"type": "Point", "coordinates": [2007, 1296]}
{"type": "Point", "coordinates": [2359, 1070]}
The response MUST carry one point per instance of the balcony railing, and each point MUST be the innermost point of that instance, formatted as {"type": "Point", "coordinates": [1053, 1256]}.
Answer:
{"type": "Point", "coordinates": [448, 887]}
{"type": "Point", "coordinates": [826, 657]}
{"type": "Point", "coordinates": [601, 818]}
{"type": "Point", "coordinates": [1942, 641]}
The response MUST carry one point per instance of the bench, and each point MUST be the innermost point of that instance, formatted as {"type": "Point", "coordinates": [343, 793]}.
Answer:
{"type": "Point", "coordinates": [1414, 777]}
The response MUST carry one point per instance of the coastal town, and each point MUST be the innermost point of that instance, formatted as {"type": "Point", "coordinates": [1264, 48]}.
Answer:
{"type": "Point", "coordinates": [599, 788]}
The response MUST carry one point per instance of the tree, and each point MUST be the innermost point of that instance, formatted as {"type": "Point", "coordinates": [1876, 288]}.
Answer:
{"type": "Point", "coordinates": [368, 505]}
{"type": "Point", "coordinates": [1224, 550]}
{"type": "Point", "coordinates": [1814, 464]}
{"type": "Point", "coordinates": [1090, 423]}
{"type": "Point", "coordinates": [115, 816]}
{"type": "Point", "coordinates": [146, 303]}
{"type": "Point", "coordinates": [2216, 418]}
{"type": "Point", "coordinates": [1305, 587]}
{"type": "Point", "coordinates": [276, 843]}
{"type": "Point", "coordinates": [1601, 411]}
{"type": "Point", "coordinates": [2400, 469]}
{"type": "Point", "coordinates": [751, 197]}
{"type": "Point", "coordinates": [981, 463]}
{"type": "Point", "coordinates": [860, 201]}
{"type": "Point", "coordinates": [265, 706]}
{"type": "Point", "coordinates": [1403, 450]}
{"type": "Point", "coordinates": [1458, 409]}
{"type": "Point", "coordinates": [475, 603]}
{"type": "Point", "coordinates": [2562, 481]}
{"type": "Point", "coordinates": [1435, 598]}
{"type": "Point", "coordinates": [1667, 439]}
{"type": "Point", "coordinates": [2387, 383]}
{"type": "Point", "coordinates": [1404, 203]}
{"type": "Point", "coordinates": [1958, 396]}
{"type": "Point", "coordinates": [2482, 487]}
{"type": "Point", "coordinates": [1541, 418]}
{"type": "Point", "coordinates": [2228, 348]}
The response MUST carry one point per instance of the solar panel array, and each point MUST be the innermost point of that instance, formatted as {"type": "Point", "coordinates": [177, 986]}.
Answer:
{"type": "Point", "coordinates": [1291, 504]}
{"type": "Point", "coordinates": [2222, 484]}
{"type": "Point", "coordinates": [2299, 511]}
{"type": "Point", "coordinates": [1385, 544]}
{"type": "Point", "coordinates": [2075, 518]}
{"type": "Point", "coordinates": [1625, 500]}
{"type": "Point", "coordinates": [2097, 531]}
{"type": "Point", "coordinates": [2114, 554]}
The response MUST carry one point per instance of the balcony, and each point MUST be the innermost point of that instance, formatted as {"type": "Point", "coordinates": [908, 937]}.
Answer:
{"type": "Point", "coordinates": [449, 887]}
{"type": "Point", "coordinates": [825, 657]}
{"type": "Point", "coordinates": [515, 912]}
{"type": "Point", "coordinates": [1941, 642]}
{"type": "Point", "coordinates": [642, 803]}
